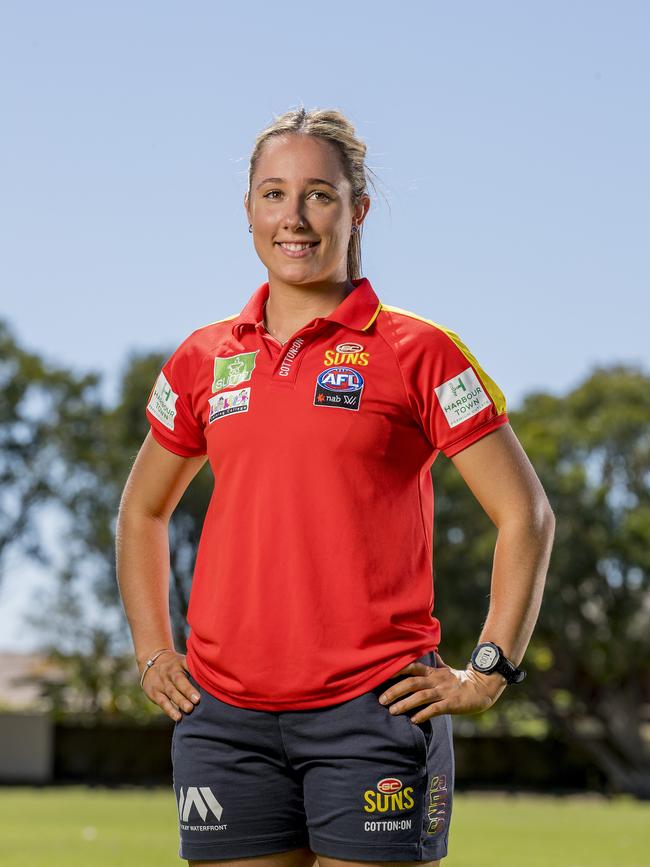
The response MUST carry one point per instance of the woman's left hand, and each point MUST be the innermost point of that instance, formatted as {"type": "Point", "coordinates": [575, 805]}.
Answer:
{"type": "Point", "coordinates": [442, 690]}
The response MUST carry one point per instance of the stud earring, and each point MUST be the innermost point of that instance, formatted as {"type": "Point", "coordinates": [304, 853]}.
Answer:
{"type": "Point", "coordinates": [355, 229]}
{"type": "Point", "coordinates": [250, 228]}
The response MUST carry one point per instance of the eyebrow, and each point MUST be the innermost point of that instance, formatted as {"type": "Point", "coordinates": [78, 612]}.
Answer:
{"type": "Point", "coordinates": [307, 180]}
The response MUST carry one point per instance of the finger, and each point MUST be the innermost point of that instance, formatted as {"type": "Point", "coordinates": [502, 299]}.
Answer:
{"type": "Point", "coordinates": [183, 685]}
{"type": "Point", "coordinates": [415, 700]}
{"type": "Point", "coordinates": [163, 702]}
{"type": "Point", "coordinates": [406, 687]}
{"type": "Point", "coordinates": [179, 699]}
{"type": "Point", "coordinates": [173, 683]}
{"type": "Point", "coordinates": [160, 681]}
{"type": "Point", "coordinates": [437, 709]}
{"type": "Point", "coordinates": [414, 668]}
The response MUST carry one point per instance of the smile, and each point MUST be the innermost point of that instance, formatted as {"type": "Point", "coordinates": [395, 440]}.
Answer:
{"type": "Point", "coordinates": [297, 251]}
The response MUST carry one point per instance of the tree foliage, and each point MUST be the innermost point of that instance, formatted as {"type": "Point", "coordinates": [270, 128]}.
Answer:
{"type": "Point", "coordinates": [589, 659]}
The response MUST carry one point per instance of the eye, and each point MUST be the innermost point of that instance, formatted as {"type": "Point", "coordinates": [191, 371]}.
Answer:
{"type": "Point", "coordinates": [271, 195]}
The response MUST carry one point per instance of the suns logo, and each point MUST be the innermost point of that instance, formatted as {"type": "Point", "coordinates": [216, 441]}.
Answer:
{"type": "Point", "coordinates": [388, 796]}
{"type": "Point", "coordinates": [346, 353]}
{"type": "Point", "coordinates": [438, 805]}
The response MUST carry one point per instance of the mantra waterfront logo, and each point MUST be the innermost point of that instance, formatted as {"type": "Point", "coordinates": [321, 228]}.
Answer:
{"type": "Point", "coordinates": [203, 801]}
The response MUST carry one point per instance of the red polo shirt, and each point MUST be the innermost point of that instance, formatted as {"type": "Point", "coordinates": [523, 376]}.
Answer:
{"type": "Point", "coordinates": [313, 578]}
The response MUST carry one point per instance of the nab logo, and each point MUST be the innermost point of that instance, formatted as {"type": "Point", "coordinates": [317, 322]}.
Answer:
{"type": "Point", "coordinates": [201, 798]}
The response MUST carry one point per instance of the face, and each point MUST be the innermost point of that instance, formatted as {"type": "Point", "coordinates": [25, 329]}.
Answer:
{"type": "Point", "coordinates": [299, 193]}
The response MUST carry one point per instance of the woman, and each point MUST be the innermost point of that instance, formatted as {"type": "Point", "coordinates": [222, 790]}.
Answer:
{"type": "Point", "coordinates": [313, 712]}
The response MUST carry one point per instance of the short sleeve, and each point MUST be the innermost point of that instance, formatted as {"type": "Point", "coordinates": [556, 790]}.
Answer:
{"type": "Point", "coordinates": [457, 402]}
{"type": "Point", "coordinates": [169, 410]}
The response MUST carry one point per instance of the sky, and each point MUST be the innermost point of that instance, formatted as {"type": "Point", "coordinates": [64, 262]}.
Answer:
{"type": "Point", "coordinates": [510, 140]}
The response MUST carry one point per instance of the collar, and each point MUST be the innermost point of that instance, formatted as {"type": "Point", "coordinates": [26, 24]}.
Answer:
{"type": "Point", "coordinates": [358, 310]}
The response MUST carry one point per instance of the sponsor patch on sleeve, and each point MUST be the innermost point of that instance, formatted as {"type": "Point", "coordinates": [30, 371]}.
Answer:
{"type": "Point", "coordinates": [162, 403]}
{"type": "Point", "coordinates": [461, 397]}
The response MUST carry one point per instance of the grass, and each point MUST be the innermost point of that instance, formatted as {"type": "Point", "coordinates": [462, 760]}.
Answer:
{"type": "Point", "coordinates": [77, 827]}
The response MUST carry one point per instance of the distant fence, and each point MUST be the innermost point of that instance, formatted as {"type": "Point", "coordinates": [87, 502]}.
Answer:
{"type": "Point", "coordinates": [33, 749]}
{"type": "Point", "coordinates": [26, 748]}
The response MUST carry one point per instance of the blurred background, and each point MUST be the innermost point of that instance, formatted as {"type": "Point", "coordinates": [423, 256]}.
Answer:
{"type": "Point", "coordinates": [510, 144]}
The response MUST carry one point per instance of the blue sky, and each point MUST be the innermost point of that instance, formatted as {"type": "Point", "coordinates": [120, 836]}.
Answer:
{"type": "Point", "coordinates": [510, 138]}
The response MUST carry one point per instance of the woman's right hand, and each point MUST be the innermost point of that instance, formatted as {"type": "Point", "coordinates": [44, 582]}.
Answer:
{"type": "Point", "coordinates": [166, 685]}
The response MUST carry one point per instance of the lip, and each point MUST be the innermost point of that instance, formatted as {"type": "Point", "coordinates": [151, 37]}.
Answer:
{"type": "Point", "coordinates": [298, 254]}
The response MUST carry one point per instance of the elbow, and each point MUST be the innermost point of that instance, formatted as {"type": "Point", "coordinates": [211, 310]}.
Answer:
{"type": "Point", "coordinates": [541, 521]}
{"type": "Point", "coordinates": [535, 518]}
{"type": "Point", "coordinates": [549, 515]}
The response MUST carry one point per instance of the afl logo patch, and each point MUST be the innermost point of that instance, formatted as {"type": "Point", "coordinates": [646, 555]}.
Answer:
{"type": "Point", "coordinates": [349, 347]}
{"type": "Point", "coordinates": [340, 387]}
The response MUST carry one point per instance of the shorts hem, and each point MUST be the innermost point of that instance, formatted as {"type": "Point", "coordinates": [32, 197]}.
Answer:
{"type": "Point", "coordinates": [375, 851]}
{"type": "Point", "coordinates": [242, 848]}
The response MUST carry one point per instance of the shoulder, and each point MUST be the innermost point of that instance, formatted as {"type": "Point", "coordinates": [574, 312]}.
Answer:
{"type": "Point", "coordinates": [195, 352]}
{"type": "Point", "coordinates": [206, 337]}
{"type": "Point", "coordinates": [405, 329]}
{"type": "Point", "coordinates": [430, 353]}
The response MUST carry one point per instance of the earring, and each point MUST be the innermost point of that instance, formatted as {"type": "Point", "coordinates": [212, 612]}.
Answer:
{"type": "Point", "coordinates": [250, 227]}
{"type": "Point", "coordinates": [355, 229]}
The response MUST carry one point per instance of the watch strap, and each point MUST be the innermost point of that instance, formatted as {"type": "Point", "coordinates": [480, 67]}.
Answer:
{"type": "Point", "coordinates": [509, 670]}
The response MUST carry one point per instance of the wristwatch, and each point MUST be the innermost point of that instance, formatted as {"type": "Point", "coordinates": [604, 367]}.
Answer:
{"type": "Point", "coordinates": [488, 658]}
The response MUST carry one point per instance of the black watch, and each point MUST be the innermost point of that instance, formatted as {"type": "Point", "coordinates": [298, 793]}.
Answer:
{"type": "Point", "coordinates": [488, 657]}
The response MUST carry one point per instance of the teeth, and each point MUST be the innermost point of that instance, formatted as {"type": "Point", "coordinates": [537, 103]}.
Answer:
{"type": "Point", "coordinates": [295, 246]}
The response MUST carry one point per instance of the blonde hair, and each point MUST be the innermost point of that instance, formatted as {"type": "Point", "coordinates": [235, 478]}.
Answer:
{"type": "Point", "coordinates": [334, 127]}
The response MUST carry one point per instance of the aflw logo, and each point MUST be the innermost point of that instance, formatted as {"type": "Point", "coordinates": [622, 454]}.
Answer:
{"type": "Point", "coordinates": [202, 798]}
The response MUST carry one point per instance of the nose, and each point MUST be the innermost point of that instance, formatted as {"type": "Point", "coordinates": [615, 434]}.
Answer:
{"type": "Point", "coordinates": [294, 215]}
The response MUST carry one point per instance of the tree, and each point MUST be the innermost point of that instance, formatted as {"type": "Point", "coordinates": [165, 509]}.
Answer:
{"type": "Point", "coordinates": [589, 659]}
{"type": "Point", "coordinates": [32, 395]}
{"type": "Point", "coordinates": [89, 452]}
{"type": "Point", "coordinates": [100, 454]}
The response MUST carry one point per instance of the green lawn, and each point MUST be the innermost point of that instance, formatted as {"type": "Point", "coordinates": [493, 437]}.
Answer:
{"type": "Point", "coordinates": [97, 828]}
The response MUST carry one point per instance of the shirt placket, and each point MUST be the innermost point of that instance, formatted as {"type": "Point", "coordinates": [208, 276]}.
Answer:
{"type": "Point", "coordinates": [287, 358]}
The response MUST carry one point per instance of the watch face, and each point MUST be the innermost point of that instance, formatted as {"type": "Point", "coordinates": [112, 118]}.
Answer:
{"type": "Point", "coordinates": [486, 657]}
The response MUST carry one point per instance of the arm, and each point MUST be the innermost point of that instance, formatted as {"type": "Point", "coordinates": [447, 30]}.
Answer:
{"type": "Point", "coordinates": [152, 491]}
{"type": "Point", "coordinates": [501, 477]}
{"type": "Point", "coordinates": [499, 474]}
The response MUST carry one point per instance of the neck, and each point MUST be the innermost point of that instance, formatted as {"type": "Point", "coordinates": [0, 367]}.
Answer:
{"type": "Point", "coordinates": [290, 307]}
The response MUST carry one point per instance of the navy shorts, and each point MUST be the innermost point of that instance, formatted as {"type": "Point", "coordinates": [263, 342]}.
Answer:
{"type": "Point", "coordinates": [349, 780]}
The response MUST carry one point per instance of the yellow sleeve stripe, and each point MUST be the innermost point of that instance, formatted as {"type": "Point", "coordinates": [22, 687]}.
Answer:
{"type": "Point", "coordinates": [492, 388]}
{"type": "Point", "coordinates": [216, 321]}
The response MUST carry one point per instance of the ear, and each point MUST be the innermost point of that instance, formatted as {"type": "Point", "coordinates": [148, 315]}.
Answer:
{"type": "Point", "coordinates": [248, 216]}
{"type": "Point", "coordinates": [361, 209]}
